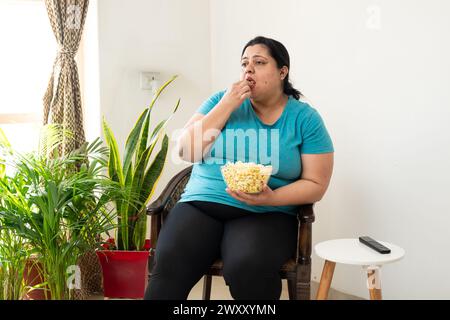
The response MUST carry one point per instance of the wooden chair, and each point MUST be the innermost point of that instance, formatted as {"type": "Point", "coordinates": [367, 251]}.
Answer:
{"type": "Point", "coordinates": [297, 270]}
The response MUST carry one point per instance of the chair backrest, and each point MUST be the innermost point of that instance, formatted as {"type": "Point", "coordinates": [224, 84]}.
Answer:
{"type": "Point", "coordinates": [176, 195]}
{"type": "Point", "coordinates": [177, 186]}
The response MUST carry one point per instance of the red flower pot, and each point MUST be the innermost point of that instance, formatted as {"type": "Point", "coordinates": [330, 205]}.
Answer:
{"type": "Point", "coordinates": [125, 273]}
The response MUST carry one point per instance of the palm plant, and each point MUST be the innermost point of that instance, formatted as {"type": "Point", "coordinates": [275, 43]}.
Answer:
{"type": "Point", "coordinates": [13, 250]}
{"type": "Point", "coordinates": [136, 174]}
{"type": "Point", "coordinates": [13, 256]}
{"type": "Point", "coordinates": [58, 206]}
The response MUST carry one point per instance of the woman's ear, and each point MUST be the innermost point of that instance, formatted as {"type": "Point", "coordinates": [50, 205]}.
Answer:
{"type": "Point", "coordinates": [284, 72]}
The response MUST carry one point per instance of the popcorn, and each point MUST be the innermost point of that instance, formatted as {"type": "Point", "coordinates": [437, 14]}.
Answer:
{"type": "Point", "coordinates": [247, 177]}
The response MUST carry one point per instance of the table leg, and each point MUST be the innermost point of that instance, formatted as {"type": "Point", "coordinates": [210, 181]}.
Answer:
{"type": "Point", "coordinates": [325, 280]}
{"type": "Point", "coordinates": [374, 282]}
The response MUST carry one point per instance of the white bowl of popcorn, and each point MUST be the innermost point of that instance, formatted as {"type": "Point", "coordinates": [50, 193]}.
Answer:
{"type": "Point", "coordinates": [247, 177]}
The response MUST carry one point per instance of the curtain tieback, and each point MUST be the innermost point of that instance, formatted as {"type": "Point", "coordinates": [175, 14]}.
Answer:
{"type": "Point", "coordinates": [64, 53]}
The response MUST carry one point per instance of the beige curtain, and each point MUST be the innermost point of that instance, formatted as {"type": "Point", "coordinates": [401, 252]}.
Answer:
{"type": "Point", "coordinates": [62, 100]}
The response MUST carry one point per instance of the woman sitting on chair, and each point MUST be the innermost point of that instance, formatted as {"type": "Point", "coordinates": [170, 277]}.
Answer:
{"type": "Point", "coordinates": [253, 234]}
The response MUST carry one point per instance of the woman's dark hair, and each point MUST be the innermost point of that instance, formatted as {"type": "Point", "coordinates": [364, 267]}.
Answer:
{"type": "Point", "coordinates": [279, 52]}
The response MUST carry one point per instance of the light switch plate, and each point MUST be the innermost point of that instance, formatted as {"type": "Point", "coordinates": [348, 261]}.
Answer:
{"type": "Point", "coordinates": [149, 80]}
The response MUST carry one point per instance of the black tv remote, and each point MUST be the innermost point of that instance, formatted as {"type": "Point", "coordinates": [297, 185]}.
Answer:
{"type": "Point", "coordinates": [371, 243]}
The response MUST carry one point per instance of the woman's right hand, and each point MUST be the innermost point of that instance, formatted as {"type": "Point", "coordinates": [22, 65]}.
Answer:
{"type": "Point", "coordinates": [236, 94]}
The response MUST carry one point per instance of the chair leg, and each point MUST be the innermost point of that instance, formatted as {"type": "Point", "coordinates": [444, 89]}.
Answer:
{"type": "Point", "coordinates": [207, 287]}
{"type": "Point", "coordinates": [291, 288]}
{"type": "Point", "coordinates": [303, 285]}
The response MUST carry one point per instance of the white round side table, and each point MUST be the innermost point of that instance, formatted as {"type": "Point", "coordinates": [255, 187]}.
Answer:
{"type": "Point", "coordinates": [351, 251]}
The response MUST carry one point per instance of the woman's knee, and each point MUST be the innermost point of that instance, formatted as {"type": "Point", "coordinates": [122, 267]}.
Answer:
{"type": "Point", "coordinates": [248, 278]}
{"type": "Point", "coordinates": [246, 266]}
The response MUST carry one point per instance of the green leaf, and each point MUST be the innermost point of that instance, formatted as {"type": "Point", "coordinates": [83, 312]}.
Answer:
{"type": "Point", "coordinates": [160, 90]}
{"type": "Point", "coordinates": [132, 141]}
{"type": "Point", "coordinates": [140, 229]}
{"type": "Point", "coordinates": [140, 171]}
{"type": "Point", "coordinates": [114, 163]}
{"type": "Point", "coordinates": [154, 172]}
{"type": "Point", "coordinates": [4, 142]}
{"type": "Point", "coordinates": [162, 125]}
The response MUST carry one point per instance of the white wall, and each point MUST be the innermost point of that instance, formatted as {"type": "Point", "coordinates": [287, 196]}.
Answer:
{"type": "Point", "coordinates": [381, 86]}
{"type": "Point", "coordinates": [90, 73]}
{"type": "Point", "coordinates": [166, 36]}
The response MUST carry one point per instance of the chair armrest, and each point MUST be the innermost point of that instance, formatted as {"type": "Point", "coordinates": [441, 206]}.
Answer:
{"type": "Point", "coordinates": [157, 206]}
{"type": "Point", "coordinates": [305, 213]}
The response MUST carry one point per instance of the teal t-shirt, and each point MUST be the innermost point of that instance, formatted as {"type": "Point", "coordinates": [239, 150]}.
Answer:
{"type": "Point", "coordinates": [246, 138]}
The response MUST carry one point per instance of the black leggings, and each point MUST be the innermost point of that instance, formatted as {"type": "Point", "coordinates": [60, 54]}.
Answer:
{"type": "Point", "coordinates": [253, 247]}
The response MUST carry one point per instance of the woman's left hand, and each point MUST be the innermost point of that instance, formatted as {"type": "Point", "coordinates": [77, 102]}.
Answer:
{"type": "Point", "coordinates": [263, 198]}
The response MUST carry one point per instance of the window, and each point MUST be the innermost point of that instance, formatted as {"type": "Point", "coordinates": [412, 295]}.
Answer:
{"type": "Point", "coordinates": [26, 60]}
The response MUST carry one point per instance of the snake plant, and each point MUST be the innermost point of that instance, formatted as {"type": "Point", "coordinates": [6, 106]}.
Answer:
{"type": "Point", "coordinates": [136, 173]}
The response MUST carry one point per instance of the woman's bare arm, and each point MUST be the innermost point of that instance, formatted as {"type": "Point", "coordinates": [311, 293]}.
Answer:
{"type": "Point", "coordinates": [313, 183]}
{"type": "Point", "coordinates": [201, 131]}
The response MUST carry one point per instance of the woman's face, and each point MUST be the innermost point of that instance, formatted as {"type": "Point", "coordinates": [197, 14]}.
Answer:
{"type": "Point", "coordinates": [260, 69]}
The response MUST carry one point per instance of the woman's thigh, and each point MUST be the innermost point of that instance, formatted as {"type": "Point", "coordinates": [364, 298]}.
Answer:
{"type": "Point", "coordinates": [220, 211]}
{"type": "Point", "coordinates": [189, 239]}
{"type": "Point", "coordinates": [260, 242]}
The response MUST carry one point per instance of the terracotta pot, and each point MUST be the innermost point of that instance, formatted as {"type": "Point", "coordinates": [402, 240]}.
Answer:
{"type": "Point", "coordinates": [32, 276]}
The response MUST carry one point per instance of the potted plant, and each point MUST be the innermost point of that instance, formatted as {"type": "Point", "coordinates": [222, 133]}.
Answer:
{"type": "Point", "coordinates": [11, 269]}
{"type": "Point", "coordinates": [125, 269]}
{"type": "Point", "coordinates": [14, 252]}
{"type": "Point", "coordinates": [57, 206]}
